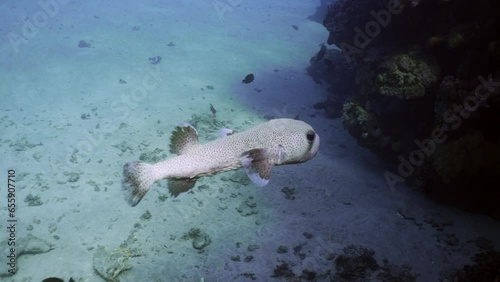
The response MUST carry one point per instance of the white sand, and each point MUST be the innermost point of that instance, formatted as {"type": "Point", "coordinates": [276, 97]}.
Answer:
{"type": "Point", "coordinates": [341, 196]}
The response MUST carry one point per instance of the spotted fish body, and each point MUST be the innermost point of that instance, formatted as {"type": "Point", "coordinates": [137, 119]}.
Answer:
{"type": "Point", "coordinates": [257, 150]}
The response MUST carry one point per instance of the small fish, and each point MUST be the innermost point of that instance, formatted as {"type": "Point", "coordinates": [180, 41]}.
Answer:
{"type": "Point", "coordinates": [249, 78]}
{"type": "Point", "coordinates": [257, 150]}
{"type": "Point", "coordinates": [295, 27]}
{"type": "Point", "coordinates": [321, 53]}
{"type": "Point", "coordinates": [223, 132]}
{"type": "Point", "coordinates": [212, 109]}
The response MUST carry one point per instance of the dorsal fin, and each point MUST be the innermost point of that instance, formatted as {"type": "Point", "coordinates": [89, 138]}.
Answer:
{"type": "Point", "coordinates": [183, 138]}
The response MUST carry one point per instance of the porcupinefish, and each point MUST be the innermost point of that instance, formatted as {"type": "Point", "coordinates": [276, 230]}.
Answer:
{"type": "Point", "coordinates": [257, 150]}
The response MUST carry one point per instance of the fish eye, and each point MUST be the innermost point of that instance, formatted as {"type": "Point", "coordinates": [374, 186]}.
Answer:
{"type": "Point", "coordinates": [310, 136]}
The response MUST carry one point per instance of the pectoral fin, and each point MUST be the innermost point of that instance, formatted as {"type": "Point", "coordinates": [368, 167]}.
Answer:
{"type": "Point", "coordinates": [178, 186]}
{"type": "Point", "coordinates": [257, 166]}
{"type": "Point", "coordinates": [223, 132]}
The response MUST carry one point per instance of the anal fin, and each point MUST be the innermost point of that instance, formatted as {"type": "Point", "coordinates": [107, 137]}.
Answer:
{"type": "Point", "coordinates": [178, 186]}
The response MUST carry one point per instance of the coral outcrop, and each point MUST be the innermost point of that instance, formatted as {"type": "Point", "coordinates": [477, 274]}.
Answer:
{"type": "Point", "coordinates": [404, 76]}
{"type": "Point", "coordinates": [422, 90]}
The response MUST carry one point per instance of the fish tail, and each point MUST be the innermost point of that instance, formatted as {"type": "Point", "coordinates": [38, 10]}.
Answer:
{"type": "Point", "coordinates": [137, 179]}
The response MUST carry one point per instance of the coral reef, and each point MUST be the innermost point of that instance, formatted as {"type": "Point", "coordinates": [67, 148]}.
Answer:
{"type": "Point", "coordinates": [485, 268]}
{"type": "Point", "coordinates": [248, 207]}
{"type": "Point", "coordinates": [416, 71]}
{"type": "Point", "coordinates": [33, 200]}
{"type": "Point", "coordinates": [354, 264]}
{"type": "Point", "coordinates": [154, 60]}
{"type": "Point", "coordinates": [84, 44]}
{"type": "Point", "coordinates": [320, 12]}
{"type": "Point", "coordinates": [111, 264]}
{"type": "Point", "coordinates": [466, 173]}
{"type": "Point", "coordinates": [395, 273]}
{"type": "Point", "coordinates": [334, 72]}
{"type": "Point", "coordinates": [404, 76]}
{"type": "Point", "coordinates": [344, 16]}
{"type": "Point", "coordinates": [200, 238]}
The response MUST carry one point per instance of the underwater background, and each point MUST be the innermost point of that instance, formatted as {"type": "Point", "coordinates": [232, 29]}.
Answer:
{"type": "Point", "coordinates": [404, 95]}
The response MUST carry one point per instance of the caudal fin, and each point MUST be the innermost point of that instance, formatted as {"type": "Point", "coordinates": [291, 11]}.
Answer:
{"type": "Point", "coordinates": [137, 179]}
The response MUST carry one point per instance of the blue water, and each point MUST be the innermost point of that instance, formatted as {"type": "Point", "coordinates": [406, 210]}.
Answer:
{"type": "Point", "coordinates": [71, 116]}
